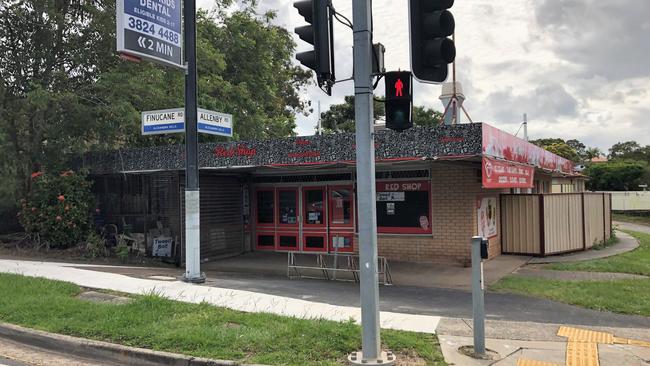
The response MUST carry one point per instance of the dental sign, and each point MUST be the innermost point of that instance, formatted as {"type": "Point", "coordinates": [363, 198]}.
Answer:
{"type": "Point", "coordinates": [151, 30]}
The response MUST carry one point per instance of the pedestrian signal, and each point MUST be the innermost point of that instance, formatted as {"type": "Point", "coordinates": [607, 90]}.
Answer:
{"type": "Point", "coordinates": [399, 100]}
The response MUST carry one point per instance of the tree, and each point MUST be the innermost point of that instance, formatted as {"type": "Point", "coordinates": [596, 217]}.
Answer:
{"type": "Point", "coordinates": [64, 90]}
{"type": "Point", "coordinates": [340, 117]}
{"type": "Point", "coordinates": [616, 175]}
{"type": "Point", "coordinates": [592, 152]}
{"type": "Point", "coordinates": [624, 150]}
{"type": "Point", "coordinates": [426, 116]}
{"type": "Point", "coordinates": [560, 147]}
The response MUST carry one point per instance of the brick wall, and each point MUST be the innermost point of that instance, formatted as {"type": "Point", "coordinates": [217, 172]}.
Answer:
{"type": "Point", "coordinates": [455, 189]}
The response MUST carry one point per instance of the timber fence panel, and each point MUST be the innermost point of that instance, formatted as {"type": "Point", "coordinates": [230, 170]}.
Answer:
{"type": "Point", "coordinates": [563, 223]}
{"type": "Point", "coordinates": [520, 215]}
{"type": "Point", "coordinates": [595, 219]}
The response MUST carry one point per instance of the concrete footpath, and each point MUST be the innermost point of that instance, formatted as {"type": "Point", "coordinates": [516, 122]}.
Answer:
{"type": "Point", "coordinates": [246, 301]}
{"type": "Point", "coordinates": [534, 344]}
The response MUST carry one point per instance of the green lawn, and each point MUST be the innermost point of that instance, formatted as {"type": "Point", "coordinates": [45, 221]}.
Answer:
{"type": "Point", "coordinates": [199, 330]}
{"type": "Point", "coordinates": [620, 296]}
{"type": "Point", "coordinates": [635, 219]}
{"type": "Point", "coordinates": [634, 262]}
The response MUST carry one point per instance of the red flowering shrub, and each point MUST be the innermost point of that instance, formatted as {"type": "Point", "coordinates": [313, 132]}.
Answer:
{"type": "Point", "coordinates": [57, 209]}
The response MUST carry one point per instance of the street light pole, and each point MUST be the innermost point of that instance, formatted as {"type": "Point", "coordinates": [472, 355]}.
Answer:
{"type": "Point", "coordinates": [363, 103]}
{"type": "Point", "coordinates": [192, 202]}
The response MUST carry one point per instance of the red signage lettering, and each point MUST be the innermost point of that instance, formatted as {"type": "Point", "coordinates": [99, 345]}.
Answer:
{"type": "Point", "coordinates": [503, 174]}
{"type": "Point", "coordinates": [241, 150]}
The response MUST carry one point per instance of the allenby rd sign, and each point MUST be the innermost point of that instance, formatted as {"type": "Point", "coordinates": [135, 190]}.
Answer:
{"type": "Point", "coordinates": [214, 123]}
{"type": "Point", "coordinates": [173, 121]}
{"type": "Point", "coordinates": [150, 29]}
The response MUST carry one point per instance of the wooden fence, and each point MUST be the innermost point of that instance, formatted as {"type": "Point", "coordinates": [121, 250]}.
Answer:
{"type": "Point", "coordinates": [545, 224]}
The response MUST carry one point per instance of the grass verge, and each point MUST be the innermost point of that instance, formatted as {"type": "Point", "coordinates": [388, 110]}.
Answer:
{"type": "Point", "coordinates": [643, 219]}
{"type": "Point", "coordinates": [200, 330]}
{"type": "Point", "coordinates": [634, 262]}
{"type": "Point", "coordinates": [620, 296]}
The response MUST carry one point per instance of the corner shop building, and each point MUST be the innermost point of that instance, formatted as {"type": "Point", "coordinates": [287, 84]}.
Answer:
{"type": "Point", "coordinates": [436, 188]}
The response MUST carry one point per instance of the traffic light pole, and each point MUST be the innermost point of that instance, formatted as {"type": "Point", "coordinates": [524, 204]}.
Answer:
{"type": "Point", "coordinates": [363, 94]}
{"type": "Point", "coordinates": [192, 203]}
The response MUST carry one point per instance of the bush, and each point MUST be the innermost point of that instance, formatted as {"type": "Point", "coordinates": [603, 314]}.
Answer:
{"type": "Point", "coordinates": [57, 209]}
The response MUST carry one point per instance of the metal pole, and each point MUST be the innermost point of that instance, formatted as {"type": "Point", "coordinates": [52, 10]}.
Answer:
{"type": "Point", "coordinates": [525, 127]}
{"type": "Point", "coordinates": [477, 297]}
{"type": "Point", "coordinates": [363, 97]}
{"type": "Point", "coordinates": [192, 203]}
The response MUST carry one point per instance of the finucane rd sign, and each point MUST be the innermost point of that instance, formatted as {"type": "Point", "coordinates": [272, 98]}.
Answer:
{"type": "Point", "coordinates": [150, 29]}
{"type": "Point", "coordinates": [173, 121]}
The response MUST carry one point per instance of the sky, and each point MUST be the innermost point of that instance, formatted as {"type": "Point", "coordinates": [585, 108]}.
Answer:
{"type": "Point", "coordinates": [578, 68]}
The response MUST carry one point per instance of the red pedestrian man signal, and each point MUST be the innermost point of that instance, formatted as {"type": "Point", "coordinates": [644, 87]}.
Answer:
{"type": "Point", "coordinates": [399, 86]}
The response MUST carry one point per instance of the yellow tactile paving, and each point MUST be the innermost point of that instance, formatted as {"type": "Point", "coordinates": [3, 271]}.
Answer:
{"type": "Point", "coordinates": [631, 342]}
{"type": "Point", "coordinates": [584, 335]}
{"type": "Point", "coordinates": [581, 354]}
{"type": "Point", "coordinates": [523, 362]}
{"type": "Point", "coordinates": [582, 347]}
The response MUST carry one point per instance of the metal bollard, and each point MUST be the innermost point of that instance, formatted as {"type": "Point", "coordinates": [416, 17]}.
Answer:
{"type": "Point", "coordinates": [477, 297]}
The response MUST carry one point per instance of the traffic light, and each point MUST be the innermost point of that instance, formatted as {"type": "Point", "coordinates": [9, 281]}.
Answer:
{"type": "Point", "coordinates": [431, 50]}
{"type": "Point", "coordinates": [319, 32]}
{"type": "Point", "coordinates": [399, 100]}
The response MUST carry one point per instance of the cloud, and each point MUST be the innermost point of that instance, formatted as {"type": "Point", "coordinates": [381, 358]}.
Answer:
{"type": "Point", "coordinates": [606, 38]}
{"type": "Point", "coordinates": [547, 102]}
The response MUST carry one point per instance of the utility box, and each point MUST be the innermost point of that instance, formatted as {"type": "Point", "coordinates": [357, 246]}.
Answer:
{"type": "Point", "coordinates": [485, 248]}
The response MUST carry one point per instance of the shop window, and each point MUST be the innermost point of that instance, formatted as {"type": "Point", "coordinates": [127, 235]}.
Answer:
{"type": "Point", "coordinates": [265, 214]}
{"type": "Point", "coordinates": [287, 242]}
{"type": "Point", "coordinates": [266, 241]}
{"type": "Point", "coordinates": [340, 206]}
{"type": "Point", "coordinates": [314, 243]}
{"type": "Point", "coordinates": [404, 207]}
{"type": "Point", "coordinates": [314, 207]}
{"type": "Point", "coordinates": [288, 205]}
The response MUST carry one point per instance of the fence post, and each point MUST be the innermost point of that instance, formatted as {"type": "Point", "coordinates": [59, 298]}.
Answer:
{"type": "Point", "coordinates": [584, 224]}
{"type": "Point", "coordinates": [604, 221]}
{"type": "Point", "coordinates": [542, 226]}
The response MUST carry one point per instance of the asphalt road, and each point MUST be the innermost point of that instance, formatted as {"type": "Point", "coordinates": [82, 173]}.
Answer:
{"type": "Point", "coordinates": [429, 301]}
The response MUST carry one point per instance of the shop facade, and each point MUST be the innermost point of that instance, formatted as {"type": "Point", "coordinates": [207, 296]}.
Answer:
{"type": "Point", "coordinates": [436, 188]}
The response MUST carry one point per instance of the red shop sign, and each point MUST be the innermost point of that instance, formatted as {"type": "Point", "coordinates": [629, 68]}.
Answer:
{"type": "Point", "coordinates": [503, 174]}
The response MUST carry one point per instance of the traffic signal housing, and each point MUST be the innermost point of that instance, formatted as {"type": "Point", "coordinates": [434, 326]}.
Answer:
{"type": "Point", "coordinates": [431, 50]}
{"type": "Point", "coordinates": [320, 34]}
{"type": "Point", "coordinates": [399, 100]}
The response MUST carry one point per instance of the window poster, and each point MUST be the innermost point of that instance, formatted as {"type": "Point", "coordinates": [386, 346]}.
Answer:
{"type": "Point", "coordinates": [487, 217]}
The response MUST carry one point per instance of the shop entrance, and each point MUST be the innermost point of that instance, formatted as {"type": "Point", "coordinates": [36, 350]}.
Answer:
{"type": "Point", "coordinates": [318, 218]}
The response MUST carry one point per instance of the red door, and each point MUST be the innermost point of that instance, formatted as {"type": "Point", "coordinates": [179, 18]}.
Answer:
{"type": "Point", "coordinates": [314, 219]}
{"type": "Point", "coordinates": [341, 218]}
{"type": "Point", "coordinates": [288, 227]}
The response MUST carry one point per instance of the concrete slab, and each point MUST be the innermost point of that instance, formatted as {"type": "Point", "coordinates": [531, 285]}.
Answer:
{"type": "Point", "coordinates": [100, 297]}
{"type": "Point", "coordinates": [626, 244]}
{"type": "Point", "coordinates": [530, 271]}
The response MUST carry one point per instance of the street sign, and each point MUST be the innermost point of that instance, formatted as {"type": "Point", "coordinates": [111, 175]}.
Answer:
{"type": "Point", "coordinates": [150, 29]}
{"type": "Point", "coordinates": [214, 123]}
{"type": "Point", "coordinates": [173, 121]}
{"type": "Point", "coordinates": [163, 121]}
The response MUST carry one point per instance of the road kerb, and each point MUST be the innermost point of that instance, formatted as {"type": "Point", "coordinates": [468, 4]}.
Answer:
{"type": "Point", "coordinates": [104, 351]}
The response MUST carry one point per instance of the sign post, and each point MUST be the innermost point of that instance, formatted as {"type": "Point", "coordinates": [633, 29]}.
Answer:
{"type": "Point", "coordinates": [192, 202]}
{"type": "Point", "coordinates": [150, 30]}
{"type": "Point", "coordinates": [371, 353]}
